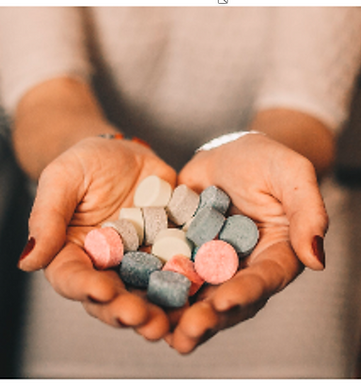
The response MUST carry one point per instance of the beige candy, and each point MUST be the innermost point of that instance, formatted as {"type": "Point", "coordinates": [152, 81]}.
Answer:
{"type": "Point", "coordinates": [170, 242]}
{"type": "Point", "coordinates": [182, 205]}
{"type": "Point", "coordinates": [134, 215]}
{"type": "Point", "coordinates": [155, 220]}
{"type": "Point", "coordinates": [127, 231]}
{"type": "Point", "coordinates": [152, 192]}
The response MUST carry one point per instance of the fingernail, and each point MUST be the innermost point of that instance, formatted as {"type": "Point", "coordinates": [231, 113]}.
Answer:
{"type": "Point", "coordinates": [27, 249]}
{"type": "Point", "coordinates": [318, 250]}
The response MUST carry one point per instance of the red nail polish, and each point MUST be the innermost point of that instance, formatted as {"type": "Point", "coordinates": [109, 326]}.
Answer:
{"type": "Point", "coordinates": [27, 249]}
{"type": "Point", "coordinates": [318, 250]}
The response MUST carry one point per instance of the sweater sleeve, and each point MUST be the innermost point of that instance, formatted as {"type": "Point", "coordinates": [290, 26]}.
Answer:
{"type": "Point", "coordinates": [36, 44]}
{"type": "Point", "coordinates": [314, 59]}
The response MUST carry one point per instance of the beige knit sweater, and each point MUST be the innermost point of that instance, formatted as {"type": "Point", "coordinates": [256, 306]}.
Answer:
{"type": "Point", "coordinates": [194, 72]}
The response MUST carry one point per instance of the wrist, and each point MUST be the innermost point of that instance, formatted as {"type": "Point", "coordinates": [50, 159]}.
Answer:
{"type": "Point", "coordinates": [301, 132]}
{"type": "Point", "coordinates": [119, 136]}
{"type": "Point", "coordinates": [226, 138]}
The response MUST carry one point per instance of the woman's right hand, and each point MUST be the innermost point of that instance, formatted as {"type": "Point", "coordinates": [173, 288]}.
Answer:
{"type": "Point", "coordinates": [83, 187]}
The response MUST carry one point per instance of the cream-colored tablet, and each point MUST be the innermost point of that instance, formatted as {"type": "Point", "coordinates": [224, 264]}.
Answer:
{"type": "Point", "coordinates": [182, 205]}
{"type": "Point", "coordinates": [127, 231]}
{"type": "Point", "coordinates": [152, 192]}
{"type": "Point", "coordinates": [170, 242]}
{"type": "Point", "coordinates": [134, 215]}
{"type": "Point", "coordinates": [155, 220]}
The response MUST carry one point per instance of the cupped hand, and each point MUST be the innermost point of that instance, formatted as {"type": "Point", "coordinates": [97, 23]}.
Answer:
{"type": "Point", "coordinates": [277, 188]}
{"type": "Point", "coordinates": [85, 186]}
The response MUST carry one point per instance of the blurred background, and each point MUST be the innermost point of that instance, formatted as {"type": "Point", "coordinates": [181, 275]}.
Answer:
{"type": "Point", "coordinates": [15, 204]}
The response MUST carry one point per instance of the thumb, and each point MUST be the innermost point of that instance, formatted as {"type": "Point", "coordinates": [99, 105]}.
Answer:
{"type": "Point", "coordinates": [54, 205]}
{"type": "Point", "coordinates": [308, 218]}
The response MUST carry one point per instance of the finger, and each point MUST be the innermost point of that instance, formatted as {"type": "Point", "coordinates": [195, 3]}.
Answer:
{"type": "Point", "coordinates": [174, 315]}
{"type": "Point", "coordinates": [305, 210]}
{"type": "Point", "coordinates": [125, 310]}
{"type": "Point", "coordinates": [195, 173]}
{"type": "Point", "coordinates": [73, 276]}
{"type": "Point", "coordinates": [197, 324]}
{"type": "Point", "coordinates": [54, 205]}
{"type": "Point", "coordinates": [272, 271]}
{"type": "Point", "coordinates": [156, 326]}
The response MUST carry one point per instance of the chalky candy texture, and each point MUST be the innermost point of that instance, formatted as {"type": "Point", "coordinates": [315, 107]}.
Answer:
{"type": "Point", "coordinates": [182, 205]}
{"type": "Point", "coordinates": [152, 192]}
{"type": "Point", "coordinates": [205, 226]}
{"type": "Point", "coordinates": [155, 220]}
{"type": "Point", "coordinates": [216, 261]}
{"type": "Point", "coordinates": [168, 288]}
{"type": "Point", "coordinates": [104, 247]}
{"type": "Point", "coordinates": [241, 232]}
{"type": "Point", "coordinates": [185, 227]}
{"type": "Point", "coordinates": [183, 265]}
{"type": "Point", "coordinates": [137, 266]}
{"type": "Point", "coordinates": [134, 215]}
{"type": "Point", "coordinates": [127, 231]}
{"type": "Point", "coordinates": [214, 197]}
{"type": "Point", "coordinates": [170, 242]}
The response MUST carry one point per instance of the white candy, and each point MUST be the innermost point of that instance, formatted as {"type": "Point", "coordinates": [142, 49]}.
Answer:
{"type": "Point", "coordinates": [152, 192]}
{"type": "Point", "coordinates": [170, 242]}
{"type": "Point", "coordinates": [134, 215]}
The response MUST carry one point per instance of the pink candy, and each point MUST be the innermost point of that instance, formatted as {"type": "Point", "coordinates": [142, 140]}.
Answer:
{"type": "Point", "coordinates": [216, 261]}
{"type": "Point", "coordinates": [183, 265]}
{"type": "Point", "coordinates": [104, 247]}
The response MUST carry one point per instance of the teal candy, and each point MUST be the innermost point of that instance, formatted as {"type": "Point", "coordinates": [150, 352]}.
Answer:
{"type": "Point", "coordinates": [241, 232]}
{"type": "Point", "coordinates": [168, 288]}
{"type": "Point", "coordinates": [194, 253]}
{"type": "Point", "coordinates": [137, 266]}
{"type": "Point", "coordinates": [214, 197]}
{"type": "Point", "coordinates": [205, 226]}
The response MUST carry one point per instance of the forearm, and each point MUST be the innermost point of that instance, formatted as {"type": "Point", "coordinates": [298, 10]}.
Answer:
{"type": "Point", "coordinates": [300, 132]}
{"type": "Point", "coordinates": [52, 117]}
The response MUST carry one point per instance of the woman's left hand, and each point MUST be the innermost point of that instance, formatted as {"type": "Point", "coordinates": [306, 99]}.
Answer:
{"type": "Point", "coordinates": [278, 189]}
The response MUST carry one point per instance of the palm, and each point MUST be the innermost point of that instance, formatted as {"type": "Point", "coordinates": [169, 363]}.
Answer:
{"type": "Point", "coordinates": [85, 186]}
{"type": "Point", "coordinates": [267, 191]}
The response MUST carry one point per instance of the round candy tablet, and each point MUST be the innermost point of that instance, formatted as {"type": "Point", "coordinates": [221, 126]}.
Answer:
{"type": "Point", "coordinates": [134, 215]}
{"type": "Point", "coordinates": [205, 226]}
{"type": "Point", "coordinates": [216, 262]}
{"type": "Point", "coordinates": [182, 205]}
{"type": "Point", "coordinates": [104, 247]}
{"type": "Point", "coordinates": [137, 266]}
{"type": "Point", "coordinates": [127, 231]}
{"type": "Point", "coordinates": [241, 232]}
{"type": "Point", "coordinates": [214, 197]}
{"type": "Point", "coordinates": [183, 265]}
{"type": "Point", "coordinates": [152, 192]}
{"type": "Point", "coordinates": [170, 242]}
{"type": "Point", "coordinates": [168, 288]}
{"type": "Point", "coordinates": [155, 220]}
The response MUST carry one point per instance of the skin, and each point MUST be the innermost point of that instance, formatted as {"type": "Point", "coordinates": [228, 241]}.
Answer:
{"type": "Point", "coordinates": [85, 180]}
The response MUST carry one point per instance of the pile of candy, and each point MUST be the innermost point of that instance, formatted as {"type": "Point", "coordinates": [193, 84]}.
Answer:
{"type": "Point", "coordinates": [190, 238]}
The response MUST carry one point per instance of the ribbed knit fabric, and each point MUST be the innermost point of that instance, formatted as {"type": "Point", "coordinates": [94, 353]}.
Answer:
{"type": "Point", "coordinates": [177, 77]}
